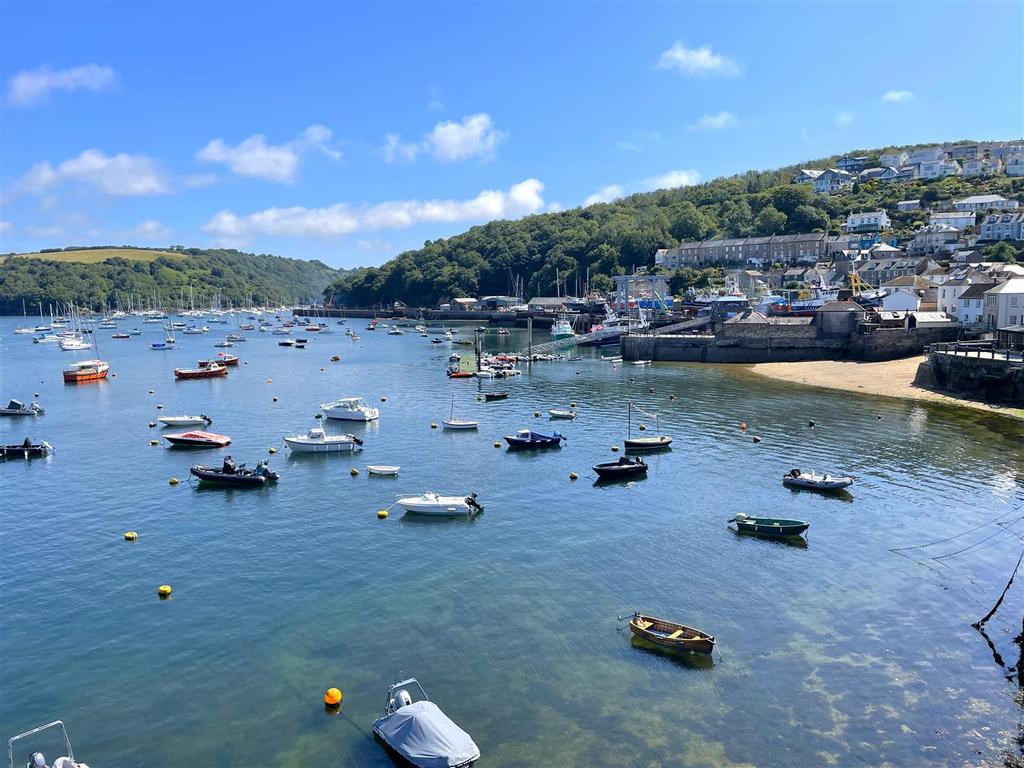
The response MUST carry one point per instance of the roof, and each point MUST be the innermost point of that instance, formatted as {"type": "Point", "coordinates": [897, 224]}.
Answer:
{"type": "Point", "coordinates": [980, 199]}
{"type": "Point", "coordinates": [1013, 285]}
{"type": "Point", "coordinates": [842, 306]}
{"type": "Point", "coordinates": [976, 290]}
{"type": "Point", "coordinates": [909, 202]}
{"type": "Point", "coordinates": [750, 316]}
{"type": "Point", "coordinates": [915, 281]}
{"type": "Point", "coordinates": [1013, 328]}
{"type": "Point", "coordinates": [932, 317]}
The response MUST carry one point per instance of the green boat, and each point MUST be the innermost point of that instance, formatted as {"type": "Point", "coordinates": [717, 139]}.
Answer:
{"type": "Point", "coordinates": [769, 526]}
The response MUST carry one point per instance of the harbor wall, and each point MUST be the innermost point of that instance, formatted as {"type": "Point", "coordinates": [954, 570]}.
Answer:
{"type": "Point", "coordinates": [990, 379]}
{"type": "Point", "coordinates": [892, 343]}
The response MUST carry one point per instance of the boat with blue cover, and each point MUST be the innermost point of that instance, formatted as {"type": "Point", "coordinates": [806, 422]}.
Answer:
{"type": "Point", "coordinates": [524, 438]}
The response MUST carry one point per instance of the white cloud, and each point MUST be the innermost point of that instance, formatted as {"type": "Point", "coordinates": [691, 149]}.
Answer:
{"type": "Point", "coordinates": [255, 158]}
{"type": "Point", "coordinates": [897, 96]}
{"type": "Point", "coordinates": [605, 194]}
{"type": "Point", "coordinates": [199, 180]}
{"type": "Point", "coordinates": [344, 219]}
{"type": "Point", "coordinates": [120, 175]}
{"type": "Point", "coordinates": [697, 61]}
{"type": "Point", "coordinates": [33, 86]}
{"type": "Point", "coordinates": [394, 150]}
{"type": "Point", "coordinates": [715, 122]}
{"type": "Point", "coordinates": [374, 245]}
{"type": "Point", "coordinates": [805, 137]}
{"type": "Point", "coordinates": [5, 227]}
{"type": "Point", "coordinates": [680, 178]}
{"type": "Point", "coordinates": [629, 146]}
{"type": "Point", "coordinates": [52, 231]}
{"type": "Point", "coordinates": [554, 206]}
{"type": "Point", "coordinates": [150, 230]}
{"type": "Point", "coordinates": [843, 119]}
{"type": "Point", "coordinates": [449, 142]}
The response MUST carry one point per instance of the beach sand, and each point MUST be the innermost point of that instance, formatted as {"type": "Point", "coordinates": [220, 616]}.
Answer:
{"type": "Point", "coordinates": [892, 378]}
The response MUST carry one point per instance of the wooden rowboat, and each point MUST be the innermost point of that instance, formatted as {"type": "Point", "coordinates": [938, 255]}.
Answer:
{"type": "Point", "coordinates": [669, 634]}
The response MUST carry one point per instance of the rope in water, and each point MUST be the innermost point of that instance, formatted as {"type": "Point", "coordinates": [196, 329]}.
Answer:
{"type": "Point", "coordinates": [980, 622]}
{"type": "Point", "coordinates": [1005, 529]}
{"type": "Point", "coordinates": [955, 536]}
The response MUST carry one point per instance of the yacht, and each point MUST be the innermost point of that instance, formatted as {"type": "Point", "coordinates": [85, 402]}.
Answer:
{"type": "Point", "coordinates": [350, 409]}
{"type": "Point", "coordinates": [318, 441]}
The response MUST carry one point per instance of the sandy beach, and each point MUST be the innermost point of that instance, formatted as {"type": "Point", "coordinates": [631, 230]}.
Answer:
{"type": "Point", "coordinates": [892, 378]}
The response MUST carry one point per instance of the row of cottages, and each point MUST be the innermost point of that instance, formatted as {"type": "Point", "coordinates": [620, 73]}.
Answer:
{"type": "Point", "coordinates": [1002, 226]}
{"type": "Point", "coordinates": [984, 203]}
{"type": "Point", "coordinates": [875, 272]}
{"type": "Point", "coordinates": [958, 219]}
{"type": "Point", "coordinates": [801, 248]}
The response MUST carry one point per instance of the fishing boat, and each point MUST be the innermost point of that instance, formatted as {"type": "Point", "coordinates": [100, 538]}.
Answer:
{"type": "Point", "coordinates": [559, 413]}
{"type": "Point", "coordinates": [420, 733]}
{"type": "Point", "coordinates": [626, 468]}
{"type": "Point", "coordinates": [769, 526]}
{"type": "Point", "coordinates": [197, 439]}
{"type": "Point", "coordinates": [562, 329]}
{"type": "Point", "coordinates": [185, 421]}
{"type": "Point", "coordinates": [669, 634]}
{"type": "Point", "coordinates": [38, 759]}
{"type": "Point", "coordinates": [430, 503]}
{"type": "Point", "coordinates": [229, 474]}
{"type": "Point", "coordinates": [205, 369]}
{"type": "Point", "coordinates": [227, 359]}
{"type": "Point", "coordinates": [525, 438]}
{"type": "Point", "coordinates": [85, 370]}
{"type": "Point", "coordinates": [318, 441]}
{"type": "Point", "coordinates": [490, 397]}
{"type": "Point", "coordinates": [815, 482]}
{"type": "Point", "coordinates": [18, 408]}
{"type": "Point", "coordinates": [452, 423]}
{"type": "Point", "coordinates": [384, 470]}
{"type": "Point", "coordinates": [644, 443]}
{"type": "Point", "coordinates": [26, 450]}
{"type": "Point", "coordinates": [350, 409]}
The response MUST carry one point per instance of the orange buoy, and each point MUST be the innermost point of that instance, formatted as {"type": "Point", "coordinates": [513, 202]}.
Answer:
{"type": "Point", "coordinates": [743, 426]}
{"type": "Point", "coordinates": [332, 697]}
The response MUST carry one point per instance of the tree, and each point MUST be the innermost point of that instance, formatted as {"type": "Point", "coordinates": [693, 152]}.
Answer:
{"type": "Point", "coordinates": [688, 223]}
{"type": "Point", "coordinates": [1001, 251]}
{"type": "Point", "coordinates": [770, 221]}
{"type": "Point", "coordinates": [807, 218]}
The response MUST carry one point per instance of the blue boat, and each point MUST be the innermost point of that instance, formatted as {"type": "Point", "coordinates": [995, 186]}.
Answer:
{"type": "Point", "coordinates": [524, 438]}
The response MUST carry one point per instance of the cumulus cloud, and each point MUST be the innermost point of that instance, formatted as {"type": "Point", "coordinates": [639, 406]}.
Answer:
{"type": "Point", "coordinates": [395, 150]}
{"type": "Point", "coordinates": [5, 227]}
{"type": "Point", "coordinates": [256, 158]}
{"type": "Point", "coordinates": [680, 178]}
{"type": "Point", "coordinates": [715, 122]}
{"type": "Point", "coordinates": [897, 96]}
{"type": "Point", "coordinates": [34, 86]}
{"type": "Point", "coordinates": [120, 175]}
{"type": "Point", "coordinates": [150, 230]}
{"type": "Point", "coordinates": [697, 61]}
{"type": "Point", "coordinates": [199, 180]}
{"type": "Point", "coordinates": [449, 141]}
{"type": "Point", "coordinates": [605, 194]}
{"type": "Point", "coordinates": [344, 219]}
{"type": "Point", "coordinates": [843, 119]}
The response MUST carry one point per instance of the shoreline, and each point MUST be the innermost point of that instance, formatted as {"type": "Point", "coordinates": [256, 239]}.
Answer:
{"type": "Point", "coordinates": [891, 378]}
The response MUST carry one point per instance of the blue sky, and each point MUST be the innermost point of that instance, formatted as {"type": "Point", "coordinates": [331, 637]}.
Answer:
{"type": "Point", "coordinates": [350, 132]}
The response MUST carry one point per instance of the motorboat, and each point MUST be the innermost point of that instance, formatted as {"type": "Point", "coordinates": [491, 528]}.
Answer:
{"type": "Point", "coordinates": [24, 330]}
{"type": "Point", "coordinates": [223, 344]}
{"type": "Point", "coordinates": [198, 439]}
{"type": "Point", "coordinates": [86, 370]}
{"type": "Point", "coordinates": [490, 397]}
{"type": "Point", "coordinates": [229, 474]}
{"type": "Point", "coordinates": [350, 409]}
{"type": "Point", "coordinates": [205, 369]}
{"type": "Point", "coordinates": [562, 329]}
{"type": "Point", "coordinates": [26, 450]}
{"type": "Point", "coordinates": [559, 413]}
{"type": "Point", "coordinates": [454, 372]}
{"type": "Point", "coordinates": [670, 634]}
{"type": "Point", "coordinates": [226, 359]}
{"type": "Point", "coordinates": [18, 408]}
{"type": "Point", "coordinates": [286, 343]}
{"type": "Point", "coordinates": [235, 337]}
{"type": "Point", "coordinates": [394, 330]}
{"type": "Point", "coordinates": [193, 330]}
{"type": "Point", "coordinates": [37, 759]}
{"type": "Point", "coordinates": [503, 332]}
{"type": "Point", "coordinates": [525, 438]}
{"type": "Point", "coordinates": [626, 468]}
{"type": "Point", "coordinates": [815, 482]}
{"type": "Point", "coordinates": [421, 734]}
{"type": "Point", "coordinates": [430, 503]}
{"type": "Point", "coordinates": [384, 470]}
{"type": "Point", "coordinates": [185, 421]}
{"type": "Point", "coordinates": [120, 336]}
{"type": "Point", "coordinates": [641, 362]}
{"type": "Point", "coordinates": [318, 441]}
{"type": "Point", "coordinates": [769, 526]}
{"type": "Point", "coordinates": [652, 443]}
{"type": "Point", "coordinates": [48, 338]}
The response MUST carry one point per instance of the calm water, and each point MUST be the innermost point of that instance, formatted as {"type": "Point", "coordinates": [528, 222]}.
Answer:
{"type": "Point", "coordinates": [834, 653]}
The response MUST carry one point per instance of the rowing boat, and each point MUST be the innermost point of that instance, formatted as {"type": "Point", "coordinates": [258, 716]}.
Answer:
{"type": "Point", "coordinates": [769, 526]}
{"type": "Point", "coordinates": [669, 634]}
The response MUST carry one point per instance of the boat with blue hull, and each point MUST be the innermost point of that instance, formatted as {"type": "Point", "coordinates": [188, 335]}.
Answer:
{"type": "Point", "coordinates": [524, 438]}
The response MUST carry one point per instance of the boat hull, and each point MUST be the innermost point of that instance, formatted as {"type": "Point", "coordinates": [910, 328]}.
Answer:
{"type": "Point", "coordinates": [457, 424]}
{"type": "Point", "coordinates": [647, 443]}
{"type": "Point", "coordinates": [213, 477]}
{"type": "Point", "coordinates": [382, 470]}
{"type": "Point", "coordinates": [78, 377]}
{"type": "Point", "coordinates": [667, 634]}
{"type": "Point", "coordinates": [37, 451]}
{"type": "Point", "coordinates": [303, 445]}
{"type": "Point", "coordinates": [768, 526]}
{"type": "Point", "coordinates": [188, 373]}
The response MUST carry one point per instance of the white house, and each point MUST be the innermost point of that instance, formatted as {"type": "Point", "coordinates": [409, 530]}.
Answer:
{"type": "Point", "coordinates": [1015, 164]}
{"type": "Point", "coordinates": [958, 219]}
{"type": "Point", "coordinates": [908, 205]}
{"type": "Point", "coordinates": [832, 180]}
{"type": "Point", "coordinates": [1004, 304]}
{"type": "Point", "coordinates": [806, 175]}
{"type": "Point", "coordinates": [1003, 149]}
{"type": "Point", "coordinates": [909, 172]}
{"type": "Point", "coordinates": [872, 221]}
{"type": "Point", "coordinates": [927, 154]}
{"type": "Point", "coordinates": [896, 158]}
{"type": "Point", "coordinates": [984, 203]}
{"type": "Point", "coordinates": [964, 151]}
{"type": "Point", "coordinates": [903, 294]}
{"type": "Point", "coordinates": [1003, 226]}
{"type": "Point", "coordinates": [982, 166]}
{"type": "Point", "coordinates": [970, 304]}
{"type": "Point", "coordinates": [938, 169]}
{"type": "Point", "coordinates": [951, 291]}
{"type": "Point", "coordinates": [934, 238]}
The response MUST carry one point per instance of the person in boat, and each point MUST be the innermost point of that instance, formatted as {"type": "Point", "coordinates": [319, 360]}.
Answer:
{"type": "Point", "coordinates": [27, 443]}
{"type": "Point", "coordinates": [229, 466]}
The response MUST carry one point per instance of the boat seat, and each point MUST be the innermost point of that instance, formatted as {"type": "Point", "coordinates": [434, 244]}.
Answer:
{"type": "Point", "coordinates": [645, 624]}
{"type": "Point", "coordinates": [675, 635]}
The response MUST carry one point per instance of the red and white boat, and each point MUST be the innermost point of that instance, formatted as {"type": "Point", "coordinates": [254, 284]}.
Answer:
{"type": "Point", "coordinates": [86, 370]}
{"type": "Point", "coordinates": [205, 369]}
{"type": "Point", "coordinates": [225, 359]}
{"type": "Point", "coordinates": [198, 439]}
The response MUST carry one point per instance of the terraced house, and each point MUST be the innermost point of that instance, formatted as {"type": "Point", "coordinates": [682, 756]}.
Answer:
{"type": "Point", "coordinates": [757, 251]}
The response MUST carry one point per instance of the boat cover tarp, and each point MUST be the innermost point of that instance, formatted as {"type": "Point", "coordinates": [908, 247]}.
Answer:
{"type": "Point", "coordinates": [424, 735]}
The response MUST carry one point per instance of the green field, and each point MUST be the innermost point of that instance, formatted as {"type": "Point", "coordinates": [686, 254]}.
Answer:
{"type": "Point", "coordinates": [96, 255]}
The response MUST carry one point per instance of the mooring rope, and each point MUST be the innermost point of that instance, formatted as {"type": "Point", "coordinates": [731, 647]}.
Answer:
{"type": "Point", "coordinates": [955, 536]}
{"type": "Point", "coordinates": [981, 622]}
{"type": "Point", "coordinates": [982, 541]}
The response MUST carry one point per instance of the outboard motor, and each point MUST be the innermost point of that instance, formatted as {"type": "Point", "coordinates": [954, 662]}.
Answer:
{"type": "Point", "coordinates": [402, 699]}
{"type": "Point", "coordinates": [471, 502]}
{"type": "Point", "coordinates": [36, 760]}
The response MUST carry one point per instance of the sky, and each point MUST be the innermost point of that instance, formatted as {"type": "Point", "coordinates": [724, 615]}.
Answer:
{"type": "Point", "coordinates": [349, 132]}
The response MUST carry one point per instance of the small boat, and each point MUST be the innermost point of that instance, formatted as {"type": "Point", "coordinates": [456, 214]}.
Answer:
{"type": "Point", "coordinates": [669, 634]}
{"type": "Point", "coordinates": [815, 482]}
{"type": "Point", "coordinates": [205, 369]}
{"type": "Point", "coordinates": [235, 337]}
{"type": "Point", "coordinates": [185, 421]}
{"type": "Point", "coordinates": [194, 330]}
{"type": "Point", "coordinates": [48, 338]}
{"type": "Point", "coordinates": [286, 343]}
{"type": "Point", "coordinates": [18, 408]}
{"type": "Point", "coordinates": [455, 373]}
{"type": "Point", "coordinates": [420, 733]}
{"type": "Point", "coordinates": [26, 450]}
{"type": "Point", "coordinates": [225, 359]}
{"type": "Point", "coordinates": [350, 409]}
{"type": "Point", "coordinates": [452, 423]}
{"type": "Point", "coordinates": [318, 441]}
{"type": "Point", "coordinates": [490, 397]}
{"type": "Point", "coordinates": [437, 341]}
{"type": "Point", "coordinates": [198, 439]}
{"type": "Point", "coordinates": [641, 362]}
{"type": "Point", "coordinates": [134, 332]}
{"type": "Point", "coordinates": [229, 474]}
{"type": "Point", "coordinates": [559, 413]}
{"type": "Point", "coordinates": [120, 336]}
{"type": "Point", "coordinates": [623, 469]}
{"type": "Point", "coordinates": [161, 345]}
{"type": "Point", "coordinates": [38, 759]}
{"type": "Point", "coordinates": [85, 370]}
{"type": "Point", "coordinates": [430, 503]}
{"type": "Point", "coordinates": [223, 344]}
{"type": "Point", "coordinates": [281, 332]}
{"type": "Point", "coordinates": [644, 443]}
{"type": "Point", "coordinates": [769, 526]}
{"type": "Point", "coordinates": [24, 330]}
{"type": "Point", "coordinates": [524, 438]}
{"type": "Point", "coordinates": [394, 330]}
{"type": "Point", "coordinates": [503, 332]}
{"type": "Point", "coordinates": [71, 344]}
{"type": "Point", "coordinates": [384, 470]}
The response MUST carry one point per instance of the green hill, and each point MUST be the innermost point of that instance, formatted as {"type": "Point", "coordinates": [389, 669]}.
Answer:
{"type": "Point", "coordinates": [613, 238]}
{"type": "Point", "coordinates": [94, 255]}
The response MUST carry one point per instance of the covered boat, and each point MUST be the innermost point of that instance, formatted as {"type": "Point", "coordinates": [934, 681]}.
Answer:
{"type": "Point", "coordinates": [26, 450]}
{"type": "Point", "coordinates": [419, 732]}
{"type": "Point", "coordinates": [350, 409]}
{"type": "Point", "coordinates": [86, 370]}
{"type": "Point", "coordinates": [559, 413]}
{"type": "Point", "coordinates": [198, 439]}
{"type": "Point", "coordinates": [769, 526]}
{"type": "Point", "coordinates": [318, 441]}
{"type": "Point", "coordinates": [816, 482]}
{"type": "Point", "coordinates": [185, 421]}
{"type": "Point", "coordinates": [37, 759]}
{"type": "Point", "coordinates": [18, 408]}
{"type": "Point", "coordinates": [229, 474]}
{"type": "Point", "coordinates": [524, 438]}
{"type": "Point", "coordinates": [205, 369]}
{"type": "Point", "coordinates": [430, 503]}
{"type": "Point", "coordinates": [625, 468]}
{"type": "Point", "coordinates": [669, 634]}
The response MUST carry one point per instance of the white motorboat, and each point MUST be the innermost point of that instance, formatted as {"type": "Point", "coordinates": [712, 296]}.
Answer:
{"type": "Point", "coordinates": [641, 362]}
{"type": "Point", "coordinates": [281, 332]}
{"type": "Point", "coordinates": [350, 409]}
{"type": "Point", "coordinates": [224, 344]}
{"type": "Point", "coordinates": [24, 330]}
{"type": "Point", "coordinates": [559, 413]}
{"type": "Point", "coordinates": [194, 330]}
{"type": "Point", "coordinates": [18, 408]}
{"type": "Point", "coordinates": [394, 330]}
{"type": "Point", "coordinates": [318, 441]}
{"type": "Point", "coordinates": [185, 421]}
{"type": "Point", "coordinates": [36, 759]}
{"type": "Point", "coordinates": [384, 470]}
{"type": "Point", "coordinates": [49, 338]}
{"type": "Point", "coordinates": [816, 482]}
{"type": "Point", "coordinates": [420, 733]}
{"type": "Point", "coordinates": [430, 503]}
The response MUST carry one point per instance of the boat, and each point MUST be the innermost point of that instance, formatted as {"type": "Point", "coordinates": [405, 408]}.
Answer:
{"type": "Point", "coordinates": [198, 439]}
{"type": "Point", "coordinates": [452, 423]}
{"type": "Point", "coordinates": [456, 373]}
{"type": "Point", "coordinates": [350, 409]}
{"type": "Point", "coordinates": [670, 634]}
{"type": "Point", "coordinates": [490, 397]}
{"type": "Point", "coordinates": [318, 441]}
{"type": "Point", "coordinates": [85, 370]}
{"type": "Point", "coordinates": [524, 438]}
{"type": "Point", "coordinates": [134, 332]}
{"type": "Point", "coordinates": [644, 443]}
{"type": "Point", "coordinates": [74, 344]}
{"type": "Point", "coordinates": [559, 413]}
{"type": "Point", "coordinates": [229, 474]}
{"type": "Point", "coordinates": [641, 362]}
{"type": "Point", "coordinates": [223, 344]}
{"type": "Point", "coordinates": [120, 336]}
{"type": "Point", "coordinates": [562, 329]}
{"type": "Point", "coordinates": [49, 338]}
{"type": "Point", "coordinates": [17, 408]}
{"type": "Point", "coordinates": [193, 330]}
{"type": "Point", "coordinates": [236, 337]}
{"type": "Point", "coordinates": [281, 332]}
{"type": "Point", "coordinates": [38, 759]}
{"type": "Point", "coordinates": [769, 526]}
{"type": "Point", "coordinates": [205, 369]}
{"type": "Point", "coordinates": [26, 450]}
{"type": "Point", "coordinates": [24, 330]}
{"type": "Point", "coordinates": [503, 332]}
{"type": "Point", "coordinates": [226, 359]}
{"type": "Point", "coordinates": [625, 468]}
{"type": "Point", "coordinates": [185, 421]}
{"type": "Point", "coordinates": [420, 733]}
{"type": "Point", "coordinates": [394, 330]}
{"type": "Point", "coordinates": [384, 470]}
{"type": "Point", "coordinates": [815, 482]}
{"type": "Point", "coordinates": [430, 503]}
{"type": "Point", "coordinates": [286, 343]}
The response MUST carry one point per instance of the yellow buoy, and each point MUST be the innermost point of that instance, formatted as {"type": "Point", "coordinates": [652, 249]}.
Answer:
{"type": "Point", "coordinates": [382, 514]}
{"type": "Point", "coordinates": [130, 535]}
{"type": "Point", "coordinates": [353, 471]}
{"type": "Point", "coordinates": [164, 590]}
{"type": "Point", "coordinates": [332, 697]}
{"type": "Point", "coordinates": [615, 448]}
{"type": "Point", "coordinates": [572, 404]}
{"type": "Point", "coordinates": [433, 425]}
{"type": "Point", "coordinates": [536, 413]}
{"type": "Point", "coordinates": [154, 442]}
{"type": "Point", "coordinates": [497, 444]}
{"type": "Point", "coordinates": [152, 423]}
{"type": "Point", "coordinates": [173, 481]}
{"type": "Point", "coordinates": [272, 450]}
{"type": "Point", "coordinates": [159, 406]}
{"type": "Point", "coordinates": [573, 476]}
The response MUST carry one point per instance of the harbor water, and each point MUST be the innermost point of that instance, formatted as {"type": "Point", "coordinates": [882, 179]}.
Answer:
{"type": "Point", "coordinates": [831, 651]}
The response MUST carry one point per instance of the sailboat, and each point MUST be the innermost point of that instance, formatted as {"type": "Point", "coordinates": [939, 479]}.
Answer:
{"type": "Point", "coordinates": [452, 423]}
{"type": "Point", "coordinates": [644, 443]}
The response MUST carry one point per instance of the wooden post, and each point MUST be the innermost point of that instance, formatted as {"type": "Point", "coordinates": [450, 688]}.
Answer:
{"type": "Point", "coordinates": [529, 338]}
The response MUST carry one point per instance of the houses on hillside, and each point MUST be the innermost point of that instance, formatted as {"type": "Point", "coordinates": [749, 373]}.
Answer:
{"type": "Point", "coordinates": [872, 221]}
{"type": "Point", "coordinates": [958, 219]}
{"type": "Point", "coordinates": [1002, 226]}
{"type": "Point", "coordinates": [832, 180]}
{"type": "Point", "coordinates": [984, 203]}
{"type": "Point", "coordinates": [758, 251]}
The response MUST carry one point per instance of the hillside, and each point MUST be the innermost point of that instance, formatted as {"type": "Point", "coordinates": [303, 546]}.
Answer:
{"type": "Point", "coordinates": [613, 238]}
{"type": "Point", "coordinates": [106, 277]}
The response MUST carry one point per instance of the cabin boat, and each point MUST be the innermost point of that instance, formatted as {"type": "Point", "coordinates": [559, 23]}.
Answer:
{"type": "Point", "coordinates": [185, 421]}
{"type": "Point", "coordinates": [815, 482]}
{"type": "Point", "coordinates": [394, 330]}
{"type": "Point", "coordinates": [430, 503]}
{"type": "Point", "coordinates": [85, 370]}
{"type": "Point", "coordinates": [624, 469]}
{"type": "Point", "coordinates": [229, 474]}
{"type": "Point", "coordinates": [26, 450]}
{"type": "Point", "coordinates": [225, 359]}
{"type": "Point", "coordinates": [38, 759]}
{"type": "Point", "coordinates": [415, 728]}
{"type": "Point", "coordinates": [669, 634]}
{"type": "Point", "coordinates": [205, 369]}
{"type": "Point", "coordinates": [318, 441]}
{"type": "Point", "coordinates": [525, 438]}
{"type": "Point", "coordinates": [384, 470]}
{"type": "Point", "coordinates": [350, 409]}
{"type": "Point", "coordinates": [17, 408]}
{"type": "Point", "coordinates": [198, 439]}
{"type": "Point", "coordinates": [769, 526]}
